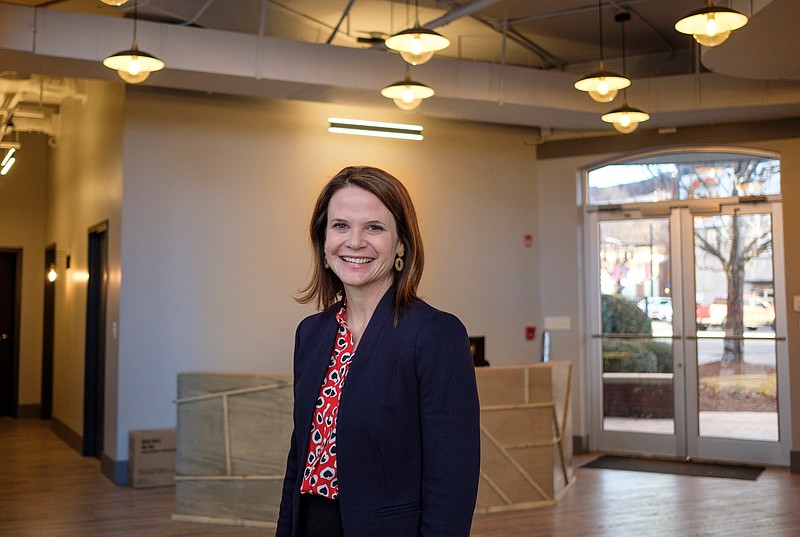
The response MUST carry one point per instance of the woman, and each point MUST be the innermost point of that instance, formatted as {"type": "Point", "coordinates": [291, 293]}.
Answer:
{"type": "Point", "coordinates": [386, 439]}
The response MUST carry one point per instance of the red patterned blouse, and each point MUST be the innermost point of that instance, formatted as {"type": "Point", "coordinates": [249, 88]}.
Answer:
{"type": "Point", "coordinates": [320, 476]}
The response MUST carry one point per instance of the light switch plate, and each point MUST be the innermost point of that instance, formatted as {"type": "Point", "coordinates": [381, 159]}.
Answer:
{"type": "Point", "coordinates": [557, 323]}
{"type": "Point", "coordinates": [796, 303]}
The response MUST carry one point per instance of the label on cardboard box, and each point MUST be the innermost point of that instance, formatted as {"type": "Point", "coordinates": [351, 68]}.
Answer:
{"type": "Point", "coordinates": [151, 459]}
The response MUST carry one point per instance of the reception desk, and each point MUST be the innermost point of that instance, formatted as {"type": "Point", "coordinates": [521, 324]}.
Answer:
{"type": "Point", "coordinates": [526, 435]}
{"type": "Point", "coordinates": [233, 437]}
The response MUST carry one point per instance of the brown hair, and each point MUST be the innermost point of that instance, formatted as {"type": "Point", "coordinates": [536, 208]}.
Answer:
{"type": "Point", "coordinates": [325, 287]}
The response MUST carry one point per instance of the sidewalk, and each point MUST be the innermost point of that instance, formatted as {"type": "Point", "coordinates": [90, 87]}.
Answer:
{"type": "Point", "coordinates": [740, 425]}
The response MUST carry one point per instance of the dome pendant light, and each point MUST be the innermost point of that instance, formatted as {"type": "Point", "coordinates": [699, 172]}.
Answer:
{"type": "Point", "coordinates": [407, 94]}
{"type": "Point", "coordinates": [416, 45]}
{"type": "Point", "coordinates": [711, 25]}
{"type": "Point", "coordinates": [602, 85]}
{"type": "Point", "coordinates": [625, 119]}
{"type": "Point", "coordinates": [134, 65]}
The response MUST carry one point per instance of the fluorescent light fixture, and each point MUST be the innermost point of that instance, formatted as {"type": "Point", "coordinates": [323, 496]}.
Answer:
{"type": "Point", "coordinates": [380, 129]}
{"type": "Point", "coordinates": [8, 157]}
{"type": "Point", "coordinates": [8, 161]}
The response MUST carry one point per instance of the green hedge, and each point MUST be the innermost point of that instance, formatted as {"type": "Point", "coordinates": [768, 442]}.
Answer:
{"type": "Point", "coordinates": [621, 316]}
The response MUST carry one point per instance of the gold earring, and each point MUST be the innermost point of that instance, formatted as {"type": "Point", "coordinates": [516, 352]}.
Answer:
{"type": "Point", "coordinates": [398, 261]}
{"type": "Point", "coordinates": [325, 262]}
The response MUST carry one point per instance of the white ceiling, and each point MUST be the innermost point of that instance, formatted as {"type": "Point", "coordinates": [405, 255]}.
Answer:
{"type": "Point", "coordinates": [510, 61]}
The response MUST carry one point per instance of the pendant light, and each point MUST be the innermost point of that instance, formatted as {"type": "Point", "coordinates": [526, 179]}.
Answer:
{"type": "Point", "coordinates": [711, 25]}
{"type": "Point", "coordinates": [602, 85]}
{"type": "Point", "coordinates": [407, 94]}
{"type": "Point", "coordinates": [625, 119]}
{"type": "Point", "coordinates": [416, 45]}
{"type": "Point", "coordinates": [134, 65]}
{"type": "Point", "coordinates": [114, 3]}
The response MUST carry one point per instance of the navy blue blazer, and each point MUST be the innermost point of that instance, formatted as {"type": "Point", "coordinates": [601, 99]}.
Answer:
{"type": "Point", "coordinates": [408, 430]}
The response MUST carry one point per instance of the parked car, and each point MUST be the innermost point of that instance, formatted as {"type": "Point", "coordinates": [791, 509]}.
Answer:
{"type": "Point", "coordinates": [658, 308]}
{"type": "Point", "coordinates": [756, 312]}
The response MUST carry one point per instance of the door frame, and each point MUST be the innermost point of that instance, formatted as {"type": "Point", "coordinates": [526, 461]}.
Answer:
{"type": "Point", "coordinates": [754, 451]}
{"type": "Point", "coordinates": [686, 440]}
{"type": "Point", "coordinates": [618, 441]}
{"type": "Point", "coordinates": [95, 347]}
{"type": "Point", "coordinates": [48, 337]}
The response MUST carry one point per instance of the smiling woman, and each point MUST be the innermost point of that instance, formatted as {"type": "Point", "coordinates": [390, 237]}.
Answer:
{"type": "Point", "coordinates": [401, 451]}
{"type": "Point", "coordinates": [361, 243]}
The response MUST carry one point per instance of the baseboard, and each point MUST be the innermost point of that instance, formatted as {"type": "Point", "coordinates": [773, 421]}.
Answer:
{"type": "Point", "coordinates": [580, 445]}
{"type": "Point", "coordinates": [29, 411]}
{"type": "Point", "coordinates": [794, 462]}
{"type": "Point", "coordinates": [70, 437]}
{"type": "Point", "coordinates": [115, 471]}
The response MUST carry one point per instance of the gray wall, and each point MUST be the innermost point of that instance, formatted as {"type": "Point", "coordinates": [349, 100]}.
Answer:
{"type": "Point", "coordinates": [217, 197]}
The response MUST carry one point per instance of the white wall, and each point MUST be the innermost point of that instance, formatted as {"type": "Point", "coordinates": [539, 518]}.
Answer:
{"type": "Point", "coordinates": [217, 197]}
{"type": "Point", "coordinates": [84, 189]}
{"type": "Point", "coordinates": [560, 272]}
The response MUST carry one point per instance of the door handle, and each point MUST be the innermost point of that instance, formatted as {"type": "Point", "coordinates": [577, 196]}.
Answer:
{"type": "Point", "coordinates": [3, 336]}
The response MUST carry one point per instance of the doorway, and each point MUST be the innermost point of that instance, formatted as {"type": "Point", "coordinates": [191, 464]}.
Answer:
{"type": "Point", "coordinates": [10, 263]}
{"type": "Point", "coordinates": [687, 347]}
{"type": "Point", "coordinates": [48, 336]}
{"type": "Point", "coordinates": [95, 360]}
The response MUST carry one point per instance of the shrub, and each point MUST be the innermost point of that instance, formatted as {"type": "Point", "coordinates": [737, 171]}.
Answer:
{"type": "Point", "coordinates": [621, 316]}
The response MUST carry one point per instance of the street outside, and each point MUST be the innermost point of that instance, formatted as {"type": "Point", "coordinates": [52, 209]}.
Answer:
{"type": "Point", "coordinates": [759, 345]}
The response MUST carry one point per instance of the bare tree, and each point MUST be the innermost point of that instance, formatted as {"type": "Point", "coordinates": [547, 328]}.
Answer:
{"type": "Point", "coordinates": [734, 241]}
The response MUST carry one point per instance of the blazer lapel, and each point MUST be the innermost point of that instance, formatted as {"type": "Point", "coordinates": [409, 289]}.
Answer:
{"type": "Point", "coordinates": [315, 360]}
{"type": "Point", "coordinates": [384, 312]}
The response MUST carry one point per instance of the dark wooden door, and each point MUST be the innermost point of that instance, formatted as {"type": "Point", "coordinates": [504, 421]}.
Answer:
{"type": "Point", "coordinates": [47, 337]}
{"type": "Point", "coordinates": [95, 365]}
{"type": "Point", "coordinates": [9, 304]}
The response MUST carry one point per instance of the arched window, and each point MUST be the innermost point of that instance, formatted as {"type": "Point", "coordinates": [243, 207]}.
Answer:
{"type": "Point", "coordinates": [684, 175]}
{"type": "Point", "coordinates": [686, 305]}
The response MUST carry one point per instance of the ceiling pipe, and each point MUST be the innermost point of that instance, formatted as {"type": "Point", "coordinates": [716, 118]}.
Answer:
{"type": "Point", "coordinates": [459, 13]}
{"type": "Point", "coordinates": [509, 34]}
{"type": "Point", "coordinates": [345, 13]}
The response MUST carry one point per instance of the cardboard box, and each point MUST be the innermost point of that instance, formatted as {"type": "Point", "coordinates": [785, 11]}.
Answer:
{"type": "Point", "coordinates": [151, 458]}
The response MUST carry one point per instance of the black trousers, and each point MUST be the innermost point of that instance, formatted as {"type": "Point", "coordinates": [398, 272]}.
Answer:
{"type": "Point", "coordinates": [319, 517]}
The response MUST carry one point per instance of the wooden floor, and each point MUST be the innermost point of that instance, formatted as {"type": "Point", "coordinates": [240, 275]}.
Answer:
{"type": "Point", "coordinates": [46, 489]}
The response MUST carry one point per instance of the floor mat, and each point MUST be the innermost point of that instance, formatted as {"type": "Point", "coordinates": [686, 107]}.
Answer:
{"type": "Point", "coordinates": [660, 466]}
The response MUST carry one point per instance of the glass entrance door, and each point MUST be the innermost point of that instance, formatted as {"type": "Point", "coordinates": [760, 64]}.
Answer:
{"type": "Point", "coordinates": [739, 367]}
{"type": "Point", "coordinates": [686, 356]}
{"type": "Point", "coordinates": [637, 315]}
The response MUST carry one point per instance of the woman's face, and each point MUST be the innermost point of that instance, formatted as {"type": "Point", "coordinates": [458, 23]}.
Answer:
{"type": "Point", "coordinates": [361, 241]}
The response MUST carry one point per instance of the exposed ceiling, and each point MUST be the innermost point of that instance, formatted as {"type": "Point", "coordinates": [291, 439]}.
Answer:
{"type": "Point", "coordinates": [510, 61]}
